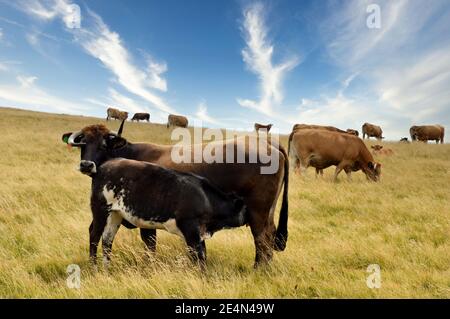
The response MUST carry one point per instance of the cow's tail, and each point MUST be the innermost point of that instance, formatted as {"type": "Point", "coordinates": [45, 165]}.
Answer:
{"type": "Point", "coordinates": [282, 231]}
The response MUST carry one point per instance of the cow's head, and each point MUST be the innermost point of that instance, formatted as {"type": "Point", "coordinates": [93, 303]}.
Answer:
{"type": "Point", "coordinates": [97, 144]}
{"type": "Point", "coordinates": [373, 171]}
{"type": "Point", "coordinates": [377, 147]}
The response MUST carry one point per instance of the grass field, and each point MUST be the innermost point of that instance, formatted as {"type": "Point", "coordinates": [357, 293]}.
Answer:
{"type": "Point", "coordinates": [335, 230]}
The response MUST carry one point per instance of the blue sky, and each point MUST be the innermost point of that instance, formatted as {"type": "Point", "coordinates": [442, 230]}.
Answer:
{"type": "Point", "coordinates": [232, 63]}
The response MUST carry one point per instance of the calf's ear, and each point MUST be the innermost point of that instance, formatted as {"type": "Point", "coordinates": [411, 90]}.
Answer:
{"type": "Point", "coordinates": [65, 137]}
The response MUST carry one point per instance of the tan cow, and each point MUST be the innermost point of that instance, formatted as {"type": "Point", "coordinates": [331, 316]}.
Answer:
{"type": "Point", "coordinates": [321, 149]}
{"type": "Point", "coordinates": [379, 150]}
{"type": "Point", "coordinates": [372, 130]}
{"type": "Point", "coordinates": [116, 114]}
{"type": "Point", "coordinates": [261, 126]}
{"type": "Point", "coordinates": [426, 133]}
{"type": "Point", "coordinates": [297, 127]}
{"type": "Point", "coordinates": [177, 120]}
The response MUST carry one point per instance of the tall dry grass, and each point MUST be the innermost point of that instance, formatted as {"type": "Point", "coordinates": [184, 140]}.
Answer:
{"type": "Point", "coordinates": [336, 230]}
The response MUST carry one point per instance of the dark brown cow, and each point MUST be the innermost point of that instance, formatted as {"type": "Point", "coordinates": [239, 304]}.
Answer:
{"type": "Point", "coordinates": [380, 150]}
{"type": "Point", "coordinates": [116, 114]}
{"type": "Point", "coordinates": [426, 133]}
{"type": "Point", "coordinates": [141, 117]}
{"type": "Point", "coordinates": [261, 126]}
{"type": "Point", "coordinates": [353, 132]}
{"type": "Point", "coordinates": [259, 191]}
{"type": "Point", "coordinates": [372, 130]}
{"type": "Point", "coordinates": [177, 120]}
{"type": "Point", "coordinates": [152, 197]}
{"type": "Point", "coordinates": [321, 149]}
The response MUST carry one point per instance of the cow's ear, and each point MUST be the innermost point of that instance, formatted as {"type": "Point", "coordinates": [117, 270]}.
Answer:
{"type": "Point", "coordinates": [65, 137]}
{"type": "Point", "coordinates": [372, 147]}
{"type": "Point", "coordinates": [370, 165]}
{"type": "Point", "coordinates": [115, 142]}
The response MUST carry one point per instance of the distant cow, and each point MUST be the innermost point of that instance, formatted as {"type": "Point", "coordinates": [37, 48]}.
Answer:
{"type": "Point", "coordinates": [426, 133]}
{"type": "Point", "coordinates": [321, 149]}
{"type": "Point", "coordinates": [261, 126]}
{"type": "Point", "coordinates": [372, 130]}
{"type": "Point", "coordinates": [116, 114]}
{"type": "Point", "coordinates": [141, 117]}
{"type": "Point", "coordinates": [353, 132]}
{"type": "Point", "coordinates": [149, 196]}
{"type": "Point", "coordinates": [404, 140]}
{"type": "Point", "coordinates": [379, 150]}
{"type": "Point", "coordinates": [177, 120]}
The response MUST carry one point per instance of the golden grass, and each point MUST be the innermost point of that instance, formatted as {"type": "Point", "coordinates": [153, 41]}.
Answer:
{"type": "Point", "coordinates": [335, 230]}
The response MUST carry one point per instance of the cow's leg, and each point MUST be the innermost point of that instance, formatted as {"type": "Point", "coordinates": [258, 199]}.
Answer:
{"type": "Point", "coordinates": [148, 236]}
{"type": "Point", "coordinates": [112, 226]}
{"type": "Point", "coordinates": [348, 171]}
{"type": "Point", "coordinates": [339, 168]}
{"type": "Point", "coordinates": [95, 232]}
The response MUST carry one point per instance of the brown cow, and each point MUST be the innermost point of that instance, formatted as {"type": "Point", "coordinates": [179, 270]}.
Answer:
{"type": "Point", "coordinates": [261, 126]}
{"type": "Point", "coordinates": [321, 149]}
{"type": "Point", "coordinates": [425, 133]}
{"type": "Point", "coordinates": [141, 117]}
{"type": "Point", "coordinates": [113, 113]}
{"type": "Point", "coordinates": [372, 130]}
{"type": "Point", "coordinates": [260, 192]}
{"type": "Point", "coordinates": [297, 127]}
{"type": "Point", "coordinates": [379, 150]}
{"type": "Point", "coordinates": [353, 132]}
{"type": "Point", "coordinates": [177, 120]}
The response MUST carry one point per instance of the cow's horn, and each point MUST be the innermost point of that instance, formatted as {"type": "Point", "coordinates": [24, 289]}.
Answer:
{"type": "Point", "coordinates": [73, 137]}
{"type": "Point", "coordinates": [121, 128]}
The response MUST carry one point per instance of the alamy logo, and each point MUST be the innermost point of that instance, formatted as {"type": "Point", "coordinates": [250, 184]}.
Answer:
{"type": "Point", "coordinates": [373, 20]}
{"type": "Point", "coordinates": [374, 279]}
{"type": "Point", "coordinates": [250, 148]}
{"type": "Point", "coordinates": [73, 280]}
{"type": "Point", "coordinates": [72, 17]}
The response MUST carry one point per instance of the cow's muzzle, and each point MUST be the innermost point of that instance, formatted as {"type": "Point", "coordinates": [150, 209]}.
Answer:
{"type": "Point", "coordinates": [88, 167]}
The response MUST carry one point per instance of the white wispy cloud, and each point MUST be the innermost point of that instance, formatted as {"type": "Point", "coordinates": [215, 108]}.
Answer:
{"type": "Point", "coordinates": [258, 56]}
{"type": "Point", "coordinates": [99, 41]}
{"type": "Point", "coordinates": [25, 93]}
{"type": "Point", "coordinates": [202, 114]}
{"type": "Point", "coordinates": [1, 34]}
{"type": "Point", "coordinates": [405, 64]}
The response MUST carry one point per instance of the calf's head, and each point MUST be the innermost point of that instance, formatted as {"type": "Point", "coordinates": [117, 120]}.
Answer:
{"type": "Point", "coordinates": [97, 144]}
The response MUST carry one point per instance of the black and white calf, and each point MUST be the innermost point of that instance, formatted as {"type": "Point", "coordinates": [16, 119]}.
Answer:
{"type": "Point", "coordinates": [150, 196]}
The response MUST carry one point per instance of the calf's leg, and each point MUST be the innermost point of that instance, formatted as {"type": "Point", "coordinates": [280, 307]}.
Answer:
{"type": "Point", "coordinates": [196, 246]}
{"type": "Point", "coordinates": [148, 236]}
{"type": "Point", "coordinates": [112, 226]}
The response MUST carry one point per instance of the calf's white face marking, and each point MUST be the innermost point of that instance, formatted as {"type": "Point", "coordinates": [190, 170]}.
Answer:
{"type": "Point", "coordinates": [116, 200]}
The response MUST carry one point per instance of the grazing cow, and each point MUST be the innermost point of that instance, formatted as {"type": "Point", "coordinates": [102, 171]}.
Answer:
{"type": "Point", "coordinates": [321, 149]}
{"type": "Point", "coordinates": [426, 133]}
{"type": "Point", "coordinates": [297, 127]}
{"type": "Point", "coordinates": [141, 117]}
{"type": "Point", "coordinates": [260, 192]}
{"type": "Point", "coordinates": [261, 126]}
{"type": "Point", "coordinates": [353, 132]}
{"type": "Point", "coordinates": [177, 120]}
{"type": "Point", "coordinates": [372, 130]}
{"type": "Point", "coordinates": [404, 140]}
{"type": "Point", "coordinates": [152, 197]}
{"type": "Point", "coordinates": [380, 150]}
{"type": "Point", "coordinates": [116, 114]}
